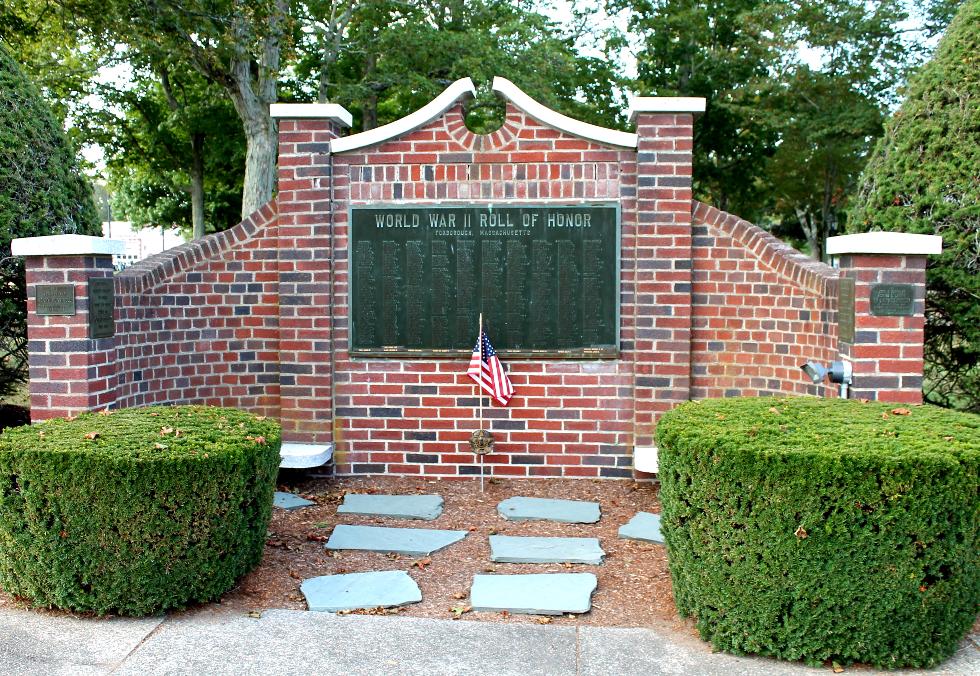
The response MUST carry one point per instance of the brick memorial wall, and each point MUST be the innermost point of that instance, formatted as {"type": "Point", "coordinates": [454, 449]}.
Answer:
{"type": "Point", "coordinates": [259, 317]}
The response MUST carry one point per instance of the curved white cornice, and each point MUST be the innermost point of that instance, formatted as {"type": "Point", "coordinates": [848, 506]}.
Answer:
{"type": "Point", "coordinates": [457, 90]}
{"type": "Point", "coordinates": [545, 115]}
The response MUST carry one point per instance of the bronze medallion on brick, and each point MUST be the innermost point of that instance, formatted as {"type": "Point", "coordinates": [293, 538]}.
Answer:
{"type": "Point", "coordinates": [481, 441]}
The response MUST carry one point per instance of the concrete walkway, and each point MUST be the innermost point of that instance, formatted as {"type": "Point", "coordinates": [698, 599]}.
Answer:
{"type": "Point", "coordinates": [215, 641]}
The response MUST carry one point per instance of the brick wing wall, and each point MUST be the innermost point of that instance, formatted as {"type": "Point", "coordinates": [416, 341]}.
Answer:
{"type": "Point", "coordinates": [761, 309]}
{"type": "Point", "coordinates": [199, 323]}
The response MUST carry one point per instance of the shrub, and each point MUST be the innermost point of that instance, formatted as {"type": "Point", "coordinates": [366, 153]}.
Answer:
{"type": "Point", "coordinates": [42, 192]}
{"type": "Point", "coordinates": [823, 529]}
{"type": "Point", "coordinates": [136, 511]}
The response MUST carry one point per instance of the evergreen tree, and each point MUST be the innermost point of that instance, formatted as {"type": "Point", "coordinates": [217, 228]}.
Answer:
{"type": "Point", "coordinates": [41, 193]}
{"type": "Point", "coordinates": [924, 177]}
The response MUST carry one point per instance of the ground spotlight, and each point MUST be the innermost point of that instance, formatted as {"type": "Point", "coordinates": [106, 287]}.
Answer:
{"type": "Point", "coordinates": [839, 372]}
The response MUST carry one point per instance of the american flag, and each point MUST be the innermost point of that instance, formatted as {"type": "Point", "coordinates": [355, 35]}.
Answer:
{"type": "Point", "coordinates": [489, 373]}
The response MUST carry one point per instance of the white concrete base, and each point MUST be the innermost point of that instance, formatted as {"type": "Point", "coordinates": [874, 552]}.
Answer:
{"type": "Point", "coordinates": [301, 456]}
{"type": "Point", "coordinates": [646, 459]}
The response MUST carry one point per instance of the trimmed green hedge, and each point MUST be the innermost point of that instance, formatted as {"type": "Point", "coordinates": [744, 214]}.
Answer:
{"type": "Point", "coordinates": [815, 530]}
{"type": "Point", "coordinates": [137, 511]}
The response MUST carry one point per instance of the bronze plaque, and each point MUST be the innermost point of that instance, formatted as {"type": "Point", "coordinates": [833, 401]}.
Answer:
{"type": "Point", "coordinates": [101, 303]}
{"type": "Point", "coordinates": [545, 277]}
{"type": "Point", "coordinates": [892, 300]}
{"type": "Point", "coordinates": [55, 299]}
{"type": "Point", "coordinates": [845, 310]}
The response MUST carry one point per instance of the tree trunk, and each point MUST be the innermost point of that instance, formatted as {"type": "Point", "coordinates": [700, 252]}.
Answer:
{"type": "Point", "coordinates": [261, 150]}
{"type": "Point", "coordinates": [197, 184]}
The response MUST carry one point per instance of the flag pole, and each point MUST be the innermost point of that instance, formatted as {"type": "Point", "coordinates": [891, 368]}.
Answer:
{"type": "Point", "coordinates": [479, 393]}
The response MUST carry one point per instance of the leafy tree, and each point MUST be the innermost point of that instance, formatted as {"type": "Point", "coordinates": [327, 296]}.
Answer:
{"type": "Point", "coordinates": [724, 51]}
{"type": "Point", "coordinates": [829, 114]}
{"type": "Point", "coordinates": [41, 193]}
{"type": "Point", "coordinates": [174, 156]}
{"type": "Point", "coordinates": [397, 56]}
{"type": "Point", "coordinates": [924, 177]}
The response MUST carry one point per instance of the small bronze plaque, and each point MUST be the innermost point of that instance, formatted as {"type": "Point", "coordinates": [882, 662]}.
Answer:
{"type": "Point", "coordinates": [845, 310]}
{"type": "Point", "coordinates": [101, 303]}
{"type": "Point", "coordinates": [55, 299]}
{"type": "Point", "coordinates": [892, 300]}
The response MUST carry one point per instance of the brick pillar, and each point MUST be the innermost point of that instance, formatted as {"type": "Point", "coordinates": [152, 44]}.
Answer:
{"type": "Point", "coordinates": [889, 273]}
{"type": "Point", "coordinates": [662, 362]}
{"type": "Point", "coordinates": [305, 273]}
{"type": "Point", "coordinates": [70, 372]}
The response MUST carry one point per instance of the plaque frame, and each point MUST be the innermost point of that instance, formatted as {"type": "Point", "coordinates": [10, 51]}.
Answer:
{"type": "Point", "coordinates": [592, 354]}
{"type": "Point", "coordinates": [98, 325]}
{"type": "Point", "coordinates": [43, 309]}
{"type": "Point", "coordinates": [892, 309]}
{"type": "Point", "coordinates": [845, 310]}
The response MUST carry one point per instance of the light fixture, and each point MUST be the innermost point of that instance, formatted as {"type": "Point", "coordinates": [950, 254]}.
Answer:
{"type": "Point", "coordinates": [840, 372]}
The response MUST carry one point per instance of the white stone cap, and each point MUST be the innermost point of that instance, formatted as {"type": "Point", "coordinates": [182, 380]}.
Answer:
{"type": "Point", "coordinates": [646, 459]}
{"type": "Point", "coordinates": [299, 456]}
{"type": "Point", "coordinates": [459, 89]}
{"type": "Point", "coordinates": [312, 111]}
{"type": "Point", "coordinates": [552, 118]}
{"type": "Point", "coordinates": [66, 245]}
{"type": "Point", "coordinates": [664, 104]}
{"type": "Point", "coordinates": [884, 243]}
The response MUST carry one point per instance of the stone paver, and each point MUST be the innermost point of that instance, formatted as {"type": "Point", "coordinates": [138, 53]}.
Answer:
{"type": "Point", "coordinates": [545, 509]}
{"type": "Point", "coordinates": [289, 501]}
{"type": "Point", "coordinates": [644, 526]}
{"type": "Point", "coordinates": [541, 594]}
{"type": "Point", "coordinates": [407, 541]}
{"type": "Point", "coordinates": [425, 507]}
{"type": "Point", "coordinates": [355, 591]}
{"type": "Point", "coordinates": [511, 549]}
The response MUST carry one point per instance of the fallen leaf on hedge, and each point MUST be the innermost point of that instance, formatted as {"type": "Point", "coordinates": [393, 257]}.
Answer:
{"type": "Point", "coordinates": [901, 411]}
{"type": "Point", "coordinates": [40, 434]}
{"type": "Point", "coordinates": [92, 435]}
{"type": "Point", "coordinates": [63, 534]}
{"type": "Point", "coordinates": [260, 440]}
{"type": "Point", "coordinates": [105, 411]}
{"type": "Point", "coordinates": [457, 611]}
{"type": "Point", "coordinates": [864, 401]}
{"type": "Point", "coordinates": [801, 533]}
{"type": "Point", "coordinates": [719, 416]}
{"type": "Point", "coordinates": [166, 430]}
{"type": "Point", "coordinates": [884, 416]}
{"type": "Point", "coordinates": [773, 409]}
{"type": "Point", "coordinates": [944, 438]}
{"type": "Point", "coordinates": [160, 447]}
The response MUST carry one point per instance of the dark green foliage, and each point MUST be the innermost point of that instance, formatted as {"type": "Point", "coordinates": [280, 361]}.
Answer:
{"type": "Point", "coordinates": [164, 507]}
{"type": "Point", "coordinates": [814, 530]}
{"type": "Point", "coordinates": [41, 193]}
{"type": "Point", "coordinates": [924, 177]}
